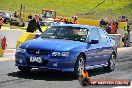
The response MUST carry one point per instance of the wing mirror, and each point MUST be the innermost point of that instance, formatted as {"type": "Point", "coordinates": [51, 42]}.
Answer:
{"type": "Point", "coordinates": [36, 36]}
{"type": "Point", "coordinates": [94, 41]}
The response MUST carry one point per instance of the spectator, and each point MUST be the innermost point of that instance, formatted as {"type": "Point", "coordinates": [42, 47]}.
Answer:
{"type": "Point", "coordinates": [116, 23]}
{"type": "Point", "coordinates": [108, 28]}
{"type": "Point", "coordinates": [106, 21]}
{"type": "Point", "coordinates": [30, 17]}
{"type": "Point", "coordinates": [15, 14]}
{"type": "Point", "coordinates": [34, 24]}
{"type": "Point", "coordinates": [126, 33]}
{"type": "Point", "coordinates": [70, 22]}
{"type": "Point", "coordinates": [110, 21]}
{"type": "Point", "coordinates": [103, 24]}
{"type": "Point", "coordinates": [125, 40]}
{"type": "Point", "coordinates": [64, 20]}
{"type": "Point", "coordinates": [122, 19]}
{"type": "Point", "coordinates": [1, 21]}
{"type": "Point", "coordinates": [113, 28]}
{"type": "Point", "coordinates": [75, 20]}
{"type": "Point", "coordinates": [126, 29]}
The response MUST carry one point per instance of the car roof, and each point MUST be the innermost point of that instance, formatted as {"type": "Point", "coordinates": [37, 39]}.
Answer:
{"type": "Point", "coordinates": [77, 25]}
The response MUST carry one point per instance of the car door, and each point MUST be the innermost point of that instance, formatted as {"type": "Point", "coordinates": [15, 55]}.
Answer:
{"type": "Point", "coordinates": [105, 45]}
{"type": "Point", "coordinates": [94, 52]}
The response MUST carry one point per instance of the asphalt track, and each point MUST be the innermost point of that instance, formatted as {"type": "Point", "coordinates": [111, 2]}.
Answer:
{"type": "Point", "coordinates": [11, 77]}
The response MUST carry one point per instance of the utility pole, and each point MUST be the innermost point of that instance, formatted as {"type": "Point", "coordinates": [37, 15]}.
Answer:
{"type": "Point", "coordinates": [21, 10]}
{"type": "Point", "coordinates": [112, 2]}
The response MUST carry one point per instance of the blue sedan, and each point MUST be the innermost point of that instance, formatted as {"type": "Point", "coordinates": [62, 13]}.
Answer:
{"type": "Point", "coordinates": [68, 47]}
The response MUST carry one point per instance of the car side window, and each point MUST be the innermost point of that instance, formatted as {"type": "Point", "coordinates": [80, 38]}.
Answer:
{"type": "Point", "coordinates": [93, 34]}
{"type": "Point", "coordinates": [103, 35]}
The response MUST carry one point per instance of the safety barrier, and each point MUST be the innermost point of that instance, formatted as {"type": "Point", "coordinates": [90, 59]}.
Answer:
{"type": "Point", "coordinates": [25, 37]}
{"type": "Point", "coordinates": [28, 36]}
{"type": "Point", "coordinates": [118, 39]}
{"type": "Point", "coordinates": [1, 52]}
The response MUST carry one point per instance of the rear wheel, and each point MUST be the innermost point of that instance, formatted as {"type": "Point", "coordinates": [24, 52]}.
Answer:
{"type": "Point", "coordinates": [80, 64]}
{"type": "Point", "coordinates": [111, 63]}
{"type": "Point", "coordinates": [24, 69]}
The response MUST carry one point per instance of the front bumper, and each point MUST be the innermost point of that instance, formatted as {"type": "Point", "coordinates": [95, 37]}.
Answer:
{"type": "Point", "coordinates": [48, 62]}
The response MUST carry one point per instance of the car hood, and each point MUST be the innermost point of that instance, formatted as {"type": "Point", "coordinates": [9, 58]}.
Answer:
{"type": "Point", "coordinates": [52, 44]}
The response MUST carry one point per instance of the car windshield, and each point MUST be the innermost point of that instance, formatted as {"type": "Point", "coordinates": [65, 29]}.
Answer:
{"type": "Point", "coordinates": [66, 32]}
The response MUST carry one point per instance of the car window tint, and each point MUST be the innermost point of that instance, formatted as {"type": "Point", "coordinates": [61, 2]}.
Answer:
{"type": "Point", "coordinates": [66, 32]}
{"type": "Point", "coordinates": [93, 34]}
{"type": "Point", "coordinates": [103, 35]}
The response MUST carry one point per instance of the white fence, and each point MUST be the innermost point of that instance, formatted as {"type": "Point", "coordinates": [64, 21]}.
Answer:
{"type": "Point", "coordinates": [12, 35]}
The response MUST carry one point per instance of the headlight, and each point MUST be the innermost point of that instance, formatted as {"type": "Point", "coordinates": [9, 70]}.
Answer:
{"type": "Point", "coordinates": [64, 53]}
{"type": "Point", "coordinates": [21, 50]}
{"type": "Point", "coordinates": [60, 54]}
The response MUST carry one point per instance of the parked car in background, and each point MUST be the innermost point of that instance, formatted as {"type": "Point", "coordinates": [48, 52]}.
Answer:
{"type": "Point", "coordinates": [17, 21]}
{"type": "Point", "coordinates": [68, 47]}
{"type": "Point", "coordinates": [7, 16]}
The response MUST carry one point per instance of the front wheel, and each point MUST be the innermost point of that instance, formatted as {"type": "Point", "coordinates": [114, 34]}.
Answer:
{"type": "Point", "coordinates": [79, 65]}
{"type": "Point", "coordinates": [111, 63]}
{"type": "Point", "coordinates": [24, 69]}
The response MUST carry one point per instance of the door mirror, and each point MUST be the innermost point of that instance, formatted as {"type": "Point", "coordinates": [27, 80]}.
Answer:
{"type": "Point", "coordinates": [36, 36]}
{"type": "Point", "coordinates": [94, 41]}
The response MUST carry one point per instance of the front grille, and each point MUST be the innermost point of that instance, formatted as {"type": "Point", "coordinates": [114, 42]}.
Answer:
{"type": "Point", "coordinates": [44, 63]}
{"type": "Point", "coordinates": [38, 52]}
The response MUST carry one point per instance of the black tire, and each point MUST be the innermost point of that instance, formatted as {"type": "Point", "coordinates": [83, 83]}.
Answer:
{"type": "Point", "coordinates": [79, 65]}
{"type": "Point", "coordinates": [111, 63]}
{"type": "Point", "coordinates": [24, 69]}
{"type": "Point", "coordinates": [84, 81]}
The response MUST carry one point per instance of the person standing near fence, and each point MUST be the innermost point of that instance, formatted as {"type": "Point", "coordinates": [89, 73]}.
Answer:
{"type": "Point", "coordinates": [108, 28]}
{"type": "Point", "coordinates": [103, 23]}
{"type": "Point", "coordinates": [30, 17]}
{"type": "Point", "coordinates": [125, 38]}
{"type": "Point", "coordinates": [75, 20]}
{"type": "Point", "coordinates": [113, 28]}
{"type": "Point", "coordinates": [34, 24]}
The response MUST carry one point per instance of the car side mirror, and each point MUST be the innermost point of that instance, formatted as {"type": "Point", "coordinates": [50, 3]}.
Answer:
{"type": "Point", "coordinates": [94, 41]}
{"type": "Point", "coordinates": [36, 36]}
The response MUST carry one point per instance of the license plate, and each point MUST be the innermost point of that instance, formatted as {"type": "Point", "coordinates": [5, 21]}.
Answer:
{"type": "Point", "coordinates": [36, 59]}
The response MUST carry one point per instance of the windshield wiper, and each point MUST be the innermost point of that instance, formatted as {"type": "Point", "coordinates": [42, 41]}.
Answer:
{"type": "Point", "coordinates": [48, 37]}
{"type": "Point", "coordinates": [59, 38]}
{"type": "Point", "coordinates": [45, 37]}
